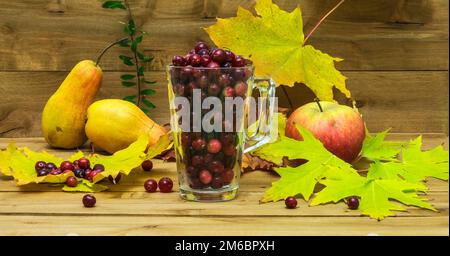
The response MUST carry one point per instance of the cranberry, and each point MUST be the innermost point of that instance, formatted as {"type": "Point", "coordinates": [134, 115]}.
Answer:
{"type": "Point", "coordinates": [217, 182]}
{"type": "Point", "coordinates": [66, 171]}
{"type": "Point", "coordinates": [204, 52]}
{"type": "Point", "coordinates": [40, 165]}
{"type": "Point", "coordinates": [228, 91]}
{"type": "Point", "coordinates": [115, 180]}
{"type": "Point", "coordinates": [353, 203]}
{"type": "Point", "coordinates": [165, 185]}
{"type": "Point", "coordinates": [227, 176]}
{"type": "Point", "coordinates": [99, 168]}
{"type": "Point", "coordinates": [197, 160]}
{"type": "Point", "coordinates": [195, 60]}
{"type": "Point", "coordinates": [195, 183]}
{"type": "Point", "coordinates": [208, 158]}
{"type": "Point", "coordinates": [42, 173]}
{"type": "Point", "coordinates": [84, 163]}
{"type": "Point", "coordinates": [79, 173]}
{"type": "Point", "coordinates": [230, 56]}
{"type": "Point", "coordinates": [205, 177]}
{"type": "Point", "coordinates": [241, 89]}
{"type": "Point", "coordinates": [186, 73]}
{"type": "Point", "coordinates": [214, 146]}
{"type": "Point", "coordinates": [67, 165]}
{"type": "Point", "coordinates": [185, 140]}
{"type": "Point", "coordinates": [228, 138]}
{"type": "Point", "coordinates": [239, 74]}
{"type": "Point", "coordinates": [201, 46]}
{"type": "Point", "coordinates": [179, 61]}
{"type": "Point", "coordinates": [239, 62]}
{"type": "Point", "coordinates": [91, 175]}
{"type": "Point", "coordinates": [55, 172]}
{"type": "Point", "coordinates": [230, 150]}
{"type": "Point", "coordinates": [199, 144]}
{"type": "Point", "coordinates": [216, 167]}
{"type": "Point", "coordinates": [213, 64]}
{"type": "Point", "coordinates": [147, 165]}
{"type": "Point", "coordinates": [191, 171]}
{"type": "Point", "coordinates": [87, 173]}
{"type": "Point", "coordinates": [180, 89]}
{"type": "Point", "coordinates": [214, 90]}
{"type": "Point", "coordinates": [89, 200]}
{"type": "Point", "coordinates": [203, 82]}
{"type": "Point", "coordinates": [50, 166]}
{"type": "Point", "coordinates": [290, 202]}
{"type": "Point", "coordinates": [71, 181]}
{"type": "Point", "coordinates": [151, 185]}
{"type": "Point", "coordinates": [219, 56]}
{"type": "Point", "coordinates": [75, 164]}
{"type": "Point", "coordinates": [227, 65]}
{"type": "Point", "coordinates": [224, 80]}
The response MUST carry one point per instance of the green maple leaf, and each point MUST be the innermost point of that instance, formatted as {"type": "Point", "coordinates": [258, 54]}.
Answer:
{"type": "Point", "coordinates": [85, 186]}
{"type": "Point", "coordinates": [274, 41]}
{"type": "Point", "coordinates": [377, 148]}
{"type": "Point", "coordinates": [376, 192]}
{"type": "Point", "coordinates": [300, 180]}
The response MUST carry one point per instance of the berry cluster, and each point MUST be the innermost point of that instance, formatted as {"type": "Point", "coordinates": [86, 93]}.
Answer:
{"type": "Point", "coordinates": [210, 158]}
{"type": "Point", "coordinates": [165, 185]}
{"type": "Point", "coordinates": [80, 168]}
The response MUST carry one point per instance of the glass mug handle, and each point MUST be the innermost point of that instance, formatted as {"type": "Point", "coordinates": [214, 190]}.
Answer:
{"type": "Point", "coordinates": [260, 128]}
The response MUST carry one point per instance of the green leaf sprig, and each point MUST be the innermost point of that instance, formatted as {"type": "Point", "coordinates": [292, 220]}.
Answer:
{"type": "Point", "coordinates": [137, 59]}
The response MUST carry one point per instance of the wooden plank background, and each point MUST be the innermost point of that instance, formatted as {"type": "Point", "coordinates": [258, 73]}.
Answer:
{"type": "Point", "coordinates": [395, 51]}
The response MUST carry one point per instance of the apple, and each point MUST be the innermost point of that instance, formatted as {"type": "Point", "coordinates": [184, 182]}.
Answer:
{"type": "Point", "coordinates": [340, 128]}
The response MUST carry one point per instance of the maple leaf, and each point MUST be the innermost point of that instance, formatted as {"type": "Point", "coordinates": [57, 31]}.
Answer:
{"type": "Point", "coordinates": [274, 41]}
{"type": "Point", "coordinates": [375, 191]}
{"type": "Point", "coordinates": [302, 179]}
{"type": "Point", "coordinates": [85, 186]}
{"type": "Point", "coordinates": [377, 148]}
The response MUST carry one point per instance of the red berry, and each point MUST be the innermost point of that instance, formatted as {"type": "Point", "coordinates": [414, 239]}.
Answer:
{"type": "Point", "coordinates": [50, 166]}
{"type": "Point", "coordinates": [216, 167]}
{"type": "Point", "coordinates": [206, 59]}
{"type": "Point", "coordinates": [219, 56]}
{"type": "Point", "coordinates": [203, 82]}
{"type": "Point", "coordinates": [66, 165]}
{"type": "Point", "coordinates": [230, 56]}
{"type": "Point", "coordinates": [241, 89]}
{"type": "Point", "coordinates": [89, 200]}
{"type": "Point", "coordinates": [195, 60]}
{"type": "Point", "coordinates": [165, 185]}
{"type": "Point", "coordinates": [197, 160]}
{"type": "Point", "coordinates": [98, 167]}
{"type": "Point", "coordinates": [224, 80]}
{"type": "Point", "coordinates": [217, 182]}
{"type": "Point", "coordinates": [203, 52]}
{"type": "Point", "coordinates": [228, 138]}
{"type": "Point", "coordinates": [230, 150]}
{"type": "Point", "coordinates": [199, 144]}
{"type": "Point", "coordinates": [239, 62]}
{"type": "Point", "coordinates": [42, 173]}
{"type": "Point", "coordinates": [214, 146]}
{"type": "Point", "coordinates": [84, 163]}
{"type": "Point", "coordinates": [91, 175]}
{"type": "Point", "coordinates": [55, 172]}
{"type": "Point", "coordinates": [147, 165]}
{"type": "Point", "coordinates": [151, 185]}
{"type": "Point", "coordinates": [228, 91]}
{"type": "Point", "coordinates": [214, 90]}
{"type": "Point", "coordinates": [40, 165]}
{"type": "Point", "coordinates": [71, 181]}
{"type": "Point", "coordinates": [227, 176]}
{"type": "Point", "coordinates": [208, 158]}
{"type": "Point", "coordinates": [179, 61]}
{"type": "Point", "coordinates": [191, 171]}
{"type": "Point", "coordinates": [205, 177]}
{"type": "Point", "coordinates": [201, 46]}
{"type": "Point", "coordinates": [353, 203]}
{"type": "Point", "coordinates": [290, 202]}
{"type": "Point", "coordinates": [213, 64]}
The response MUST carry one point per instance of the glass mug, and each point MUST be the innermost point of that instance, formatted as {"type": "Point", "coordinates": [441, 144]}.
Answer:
{"type": "Point", "coordinates": [215, 120]}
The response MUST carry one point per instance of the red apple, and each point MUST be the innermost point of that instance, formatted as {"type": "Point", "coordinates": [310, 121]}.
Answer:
{"type": "Point", "coordinates": [340, 128]}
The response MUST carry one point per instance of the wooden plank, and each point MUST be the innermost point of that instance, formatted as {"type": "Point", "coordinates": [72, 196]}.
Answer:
{"type": "Point", "coordinates": [405, 101]}
{"type": "Point", "coordinates": [394, 35]}
{"type": "Point", "coordinates": [201, 225]}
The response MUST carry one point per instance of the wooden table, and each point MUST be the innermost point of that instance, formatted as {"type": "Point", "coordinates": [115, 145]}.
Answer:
{"type": "Point", "coordinates": [126, 209]}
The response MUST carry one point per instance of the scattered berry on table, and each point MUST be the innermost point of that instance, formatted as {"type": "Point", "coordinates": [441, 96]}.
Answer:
{"type": "Point", "coordinates": [147, 165]}
{"type": "Point", "coordinates": [291, 202]}
{"type": "Point", "coordinates": [165, 185]}
{"type": "Point", "coordinates": [353, 203]}
{"type": "Point", "coordinates": [151, 185]}
{"type": "Point", "coordinates": [89, 200]}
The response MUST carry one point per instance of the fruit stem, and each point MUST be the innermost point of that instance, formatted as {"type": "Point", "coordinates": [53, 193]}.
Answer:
{"type": "Point", "coordinates": [317, 100]}
{"type": "Point", "coordinates": [107, 48]}
{"type": "Point", "coordinates": [321, 20]}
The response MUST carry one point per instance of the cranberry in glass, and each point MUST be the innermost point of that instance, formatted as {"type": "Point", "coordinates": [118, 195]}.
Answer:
{"type": "Point", "coordinates": [239, 74]}
{"type": "Point", "coordinates": [50, 166]}
{"type": "Point", "coordinates": [208, 158]}
{"type": "Point", "coordinates": [203, 82]}
{"type": "Point", "coordinates": [241, 89]}
{"type": "Point", "coordinates": [195, 60]}
{"type": "Point", "coordinates": [203, 52]}
{"type": "Point", "coordinates": [219, 56]}
{"type": "Point", "coordinates": [197, 160]}
{"type": "Point", "coordinates": [353, 203]}
{"type": "Point", "coordinates": [40, 165]}
{"type": "Point", "coordinates": [150, 185]}
{"type": "Point", "coordinates": [213, 64]}
{"type": "Point", "coordinates": [191, 171]}
{"type": "Point", "coordinates": [230, 150]}
{"type": "Point", "coordinates": [71, 181]}
{"type": "Point", "coordinates": [84, 163]}
{"type": "Point", "coordinates": [147, 165]}
{"type": "Point", "coordinates": [186, 73]}
{"type": "Point", "coordinates": [199, 144]}
{"type": "Point", "coordinates": [216, 167]}
{"type": "Point", "coordinates": [217, 182]}
{"type": "Point", "coordinates": [227, 176]}
{"type": "Point", "coordinates": [42, 173]}
{"type": "Point", "coordinates": [224, 80]}
{"type": "Point", "coordinates": [195, 183]}
{"type": "Point", "coordinates": [228, 138]}
{"type": "Point", "coordinates": [205, 177]}
{"type": "Point", "coordinates": [290, 202]}
{"type": "Point", "coordinates": [228, 91]}
{"type": "Point", "coordinates": [227, 65]}
{"type": "Point", "coordinates": [180, 89]}
{"type": "Point", "coordinates": [206, 59]}
{"type": "Point", "coordinates": [67, 165]}
{"type": "Point", "coordinates": [230, 56]}
{"type": "Point", "coordinates": [165, 185]}
{"type": "Point", "coordinates": [179, 61]}
{"type": "Point", "coordinates": [214, 146]}
{"type": "Point", "coordinates": [98, 167]}
{"type": "Point", "coordinates": [201, 46]}
{"type": "Point", "coordinates": [239, 62]}
{"type": "Point", "coordinates": [214, 90]}
{"type": "Point", "coordinates": [89, 200]}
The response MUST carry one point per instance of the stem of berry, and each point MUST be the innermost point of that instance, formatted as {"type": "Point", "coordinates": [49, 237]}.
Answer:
{"type": "Point", "coordinates": [107, 48]}
{"type": "Point", "coordinates": [317, 100]}
{"type": "Point", "coordinates": [136, 60]}
{"type": "Point", "coordinates": [321, 20]}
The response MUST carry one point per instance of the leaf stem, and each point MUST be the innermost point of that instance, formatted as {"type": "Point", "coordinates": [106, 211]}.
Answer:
{"type": "Point", "coordinates": [107, 48]}
{"type": "Point", "coordinates": [321, 20]}
{"type": "Point", "coordinates": [136, 60]}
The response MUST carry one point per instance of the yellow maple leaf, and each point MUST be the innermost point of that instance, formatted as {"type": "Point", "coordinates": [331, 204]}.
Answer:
{"type": "Point", "coordinates": [274, 41]}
